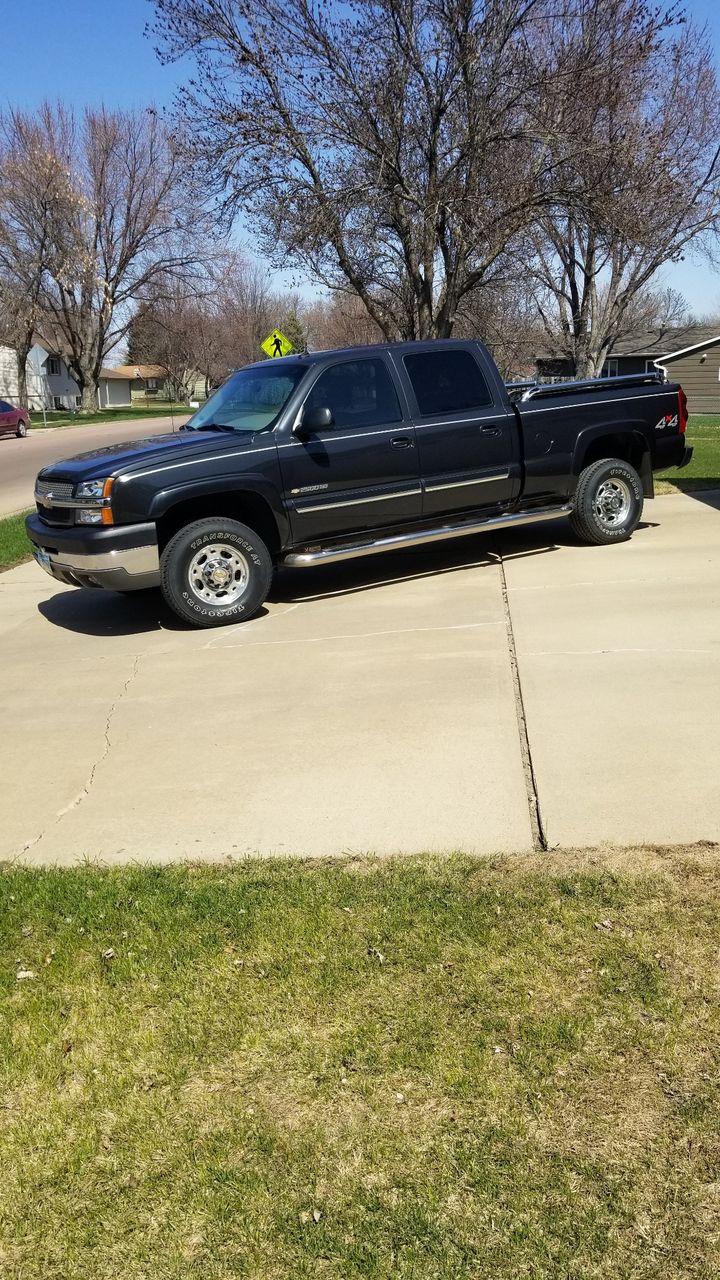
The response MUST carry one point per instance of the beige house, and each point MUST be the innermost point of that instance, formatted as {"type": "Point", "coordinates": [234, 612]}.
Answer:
{"type": "Point", "coordinates": [114, 390]}
{"type": "Point", "coordinates": [147, 381]}
{"type": "Point", "coordinates": [697, 368]}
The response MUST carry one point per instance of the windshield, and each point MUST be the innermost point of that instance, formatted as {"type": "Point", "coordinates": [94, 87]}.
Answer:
{"type": "Point", "coordinates": [250, 400]}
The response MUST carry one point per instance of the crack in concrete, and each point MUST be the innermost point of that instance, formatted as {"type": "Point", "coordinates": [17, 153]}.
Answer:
{"type": "Point", "coordinates": [249, 626]}
{"type": "Point", "coordinates": [84, 791]}
{"type": "Point", "coordinates": [357, 635]}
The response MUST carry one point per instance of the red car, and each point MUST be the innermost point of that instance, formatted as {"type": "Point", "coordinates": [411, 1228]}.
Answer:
{"type": "Point", "coordinates": [13, 421]}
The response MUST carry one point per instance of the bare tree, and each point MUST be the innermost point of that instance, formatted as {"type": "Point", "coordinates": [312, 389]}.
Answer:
{"type": "Point", "coordinates": [164, 332]}
{"type": "Point", "coordinates": [216, 329]}
{"type": "Point", "coordinates": [35, 195]}
{"type": "Point", "coordinates": [339, 320]}
{"type": "Point", "coordinates": [505, 317]}
{"type": "Point", "coordinates": [632, 122]}
{"type": "Point", "coordinates": [128, 220]}
{"type": "Point", "coordinates": [377, 145]}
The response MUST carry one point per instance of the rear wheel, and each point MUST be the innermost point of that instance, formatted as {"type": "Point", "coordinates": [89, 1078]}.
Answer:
{"type": "Point", "coordinates": [608, 502]}
{"type": "Point", "coordinates": [214, 572]}
{"type": "Point", "coordinates": [21, 430]}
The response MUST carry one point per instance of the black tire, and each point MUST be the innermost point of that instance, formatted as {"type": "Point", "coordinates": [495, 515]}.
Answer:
{"type": "Point", "coordinates": [21, 431]}
{"type": "Point", "coordinates": [188, 563]}
{"type": "Point", "coordinates": [608, 502]}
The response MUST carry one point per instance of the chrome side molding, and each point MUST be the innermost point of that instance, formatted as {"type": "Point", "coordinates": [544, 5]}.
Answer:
{"type": "Point", "coordinates": [398, 541]}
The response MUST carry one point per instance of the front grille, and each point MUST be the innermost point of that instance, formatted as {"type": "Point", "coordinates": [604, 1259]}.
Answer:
{"type": "Point", "coordinates": [56, 515]}
{"type": "Point", "coordinates": [54, 488]}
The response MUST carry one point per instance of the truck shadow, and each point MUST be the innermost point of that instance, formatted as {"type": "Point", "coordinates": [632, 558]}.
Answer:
{"type": "Point", "coordinates": [367, 573]}
{"type": "Point", "coordinates": [106, 613]}
{"type": "Point", "coordinates": [710, 496]}
{"type": "Point", "coordinates": [482, 550]}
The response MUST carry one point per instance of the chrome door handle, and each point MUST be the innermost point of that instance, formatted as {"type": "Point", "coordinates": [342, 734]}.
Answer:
{"type": "Point", "coordinates": [401, 442]}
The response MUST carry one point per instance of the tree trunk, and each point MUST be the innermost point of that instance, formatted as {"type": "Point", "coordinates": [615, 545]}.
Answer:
{"type": "Point", "coordinates": [89, 397]}
{"type": "Point", "coordinates": [22, 356]}
{"type": "Point", "coordinates": [588, 362]}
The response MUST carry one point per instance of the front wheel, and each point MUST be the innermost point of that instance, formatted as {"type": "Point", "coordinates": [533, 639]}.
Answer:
{"type": "Point", "coordinates": [214, 572]}
{"type": "Point", "coordinates": [608, 502]}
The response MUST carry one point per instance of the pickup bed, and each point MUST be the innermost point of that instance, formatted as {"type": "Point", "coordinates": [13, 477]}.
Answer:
{"type": "Point", "coordinates": [316, 458]}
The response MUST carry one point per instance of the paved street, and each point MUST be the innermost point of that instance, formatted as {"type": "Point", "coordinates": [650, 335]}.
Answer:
{"type": "Point", "coordinates": [20, 460]}
{"type": "Point", "coordinates": [374, 707]}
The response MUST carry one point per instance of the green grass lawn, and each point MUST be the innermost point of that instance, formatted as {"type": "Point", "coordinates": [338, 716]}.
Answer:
{"type": "Point", "coordinates": [389, 1069]}
{"type": "Point", "coordinates": [14, 545]}
{"type": "Point", "coordinates": [66, 419]}
{"type": "Point", "coordinates": [703, 433]}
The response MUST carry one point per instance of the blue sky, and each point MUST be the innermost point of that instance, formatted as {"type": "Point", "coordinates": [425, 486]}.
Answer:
{"type": "Point", "coordinates": [93, 50]}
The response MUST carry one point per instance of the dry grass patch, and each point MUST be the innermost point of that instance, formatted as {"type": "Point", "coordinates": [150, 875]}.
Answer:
{"type": "Point", "coordinates": [434, 1069]}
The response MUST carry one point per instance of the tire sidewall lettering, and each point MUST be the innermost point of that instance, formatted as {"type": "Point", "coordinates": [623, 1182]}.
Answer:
{"type": "Point", "coordinates": [628, 477]}
{"type": "Point", "coordinates": [213, 613]}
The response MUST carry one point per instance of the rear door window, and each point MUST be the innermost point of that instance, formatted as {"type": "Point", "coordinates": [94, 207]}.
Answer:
{"type": "Point", "coordinates": [446, 382]}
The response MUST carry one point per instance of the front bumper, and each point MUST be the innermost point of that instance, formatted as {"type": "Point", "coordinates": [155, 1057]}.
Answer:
{"type": "Point", "coordinates": [119, 558]}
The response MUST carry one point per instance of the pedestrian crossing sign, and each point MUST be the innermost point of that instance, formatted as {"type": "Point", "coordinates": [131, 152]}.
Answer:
{"type": "Point", "coordinates": [276, 344]}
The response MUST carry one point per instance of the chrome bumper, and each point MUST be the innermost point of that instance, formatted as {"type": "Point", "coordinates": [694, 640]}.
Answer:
{"type": "Point", "coordinates": [130, 569]}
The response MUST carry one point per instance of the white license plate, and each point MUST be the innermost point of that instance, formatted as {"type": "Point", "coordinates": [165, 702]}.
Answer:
{"type": "Point", "coordinates": [43, 559]}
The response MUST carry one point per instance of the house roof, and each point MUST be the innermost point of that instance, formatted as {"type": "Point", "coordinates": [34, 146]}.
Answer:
{"type": "Point", "coordinates": [141, 371]}
{"type": "Point", "coordinates": [695, 346]}
{"type": "Point", "coordinates": [656, 343]}
{"type": "Point", "coordinates": [662, 342]}
{"type": "Point", "coordinates": [118, 374]}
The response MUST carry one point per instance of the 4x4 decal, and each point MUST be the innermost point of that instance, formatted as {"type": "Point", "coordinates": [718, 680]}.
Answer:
{"type": "Point", "coordinates": [668, 423]}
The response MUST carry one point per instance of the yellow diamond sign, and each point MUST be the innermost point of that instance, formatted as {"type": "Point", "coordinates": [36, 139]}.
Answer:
{"type": "Point", "coordinates": [276, 344]}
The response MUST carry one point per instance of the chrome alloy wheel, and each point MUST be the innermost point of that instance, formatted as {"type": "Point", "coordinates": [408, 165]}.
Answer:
{"type": "Point", "coordinates": [218, 574]}
{"type": "Point", "coordinates": [612, 502]}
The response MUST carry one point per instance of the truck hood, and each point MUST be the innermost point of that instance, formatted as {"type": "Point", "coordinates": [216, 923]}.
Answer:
{"type": "Point", "coordinates": [113, 459]}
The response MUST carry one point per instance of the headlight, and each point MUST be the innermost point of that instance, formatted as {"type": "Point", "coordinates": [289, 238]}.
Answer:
{"type": "Point", "coordinates": [93, 489]}
{"type": "Point", "coordinates": [97, 493]}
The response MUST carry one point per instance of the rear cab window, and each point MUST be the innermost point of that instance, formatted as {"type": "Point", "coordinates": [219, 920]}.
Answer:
{"type": "Point", "coordinates": [446, 382]}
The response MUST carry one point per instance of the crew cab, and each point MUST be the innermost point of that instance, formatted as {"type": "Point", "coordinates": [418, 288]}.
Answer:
{"type": "Point", "coordinates": [310, 459]}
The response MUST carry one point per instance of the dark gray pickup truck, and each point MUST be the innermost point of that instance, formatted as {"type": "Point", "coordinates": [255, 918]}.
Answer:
{"type": "Point", "coordinates": [316, 458]}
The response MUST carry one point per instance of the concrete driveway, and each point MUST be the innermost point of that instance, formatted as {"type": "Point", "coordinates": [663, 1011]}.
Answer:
{"type": "Point", "coordinates": [20, 460]}
{"type": "Point", "coordinates": [488, 695]}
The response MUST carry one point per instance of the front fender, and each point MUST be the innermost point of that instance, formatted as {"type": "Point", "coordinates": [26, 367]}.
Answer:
{"type": "Point", "coordinates": [251, 483]}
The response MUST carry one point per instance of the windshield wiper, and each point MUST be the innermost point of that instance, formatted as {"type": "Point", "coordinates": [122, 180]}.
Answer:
{"type": "Point", "coordinates": [213, 426]}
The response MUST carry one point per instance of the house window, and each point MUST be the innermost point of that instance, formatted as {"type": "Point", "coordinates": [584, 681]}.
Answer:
{"type": "Point", "coordinates": [52, 364]}
{"type": "Point", "coordinates": [611, 369]}
{"type": "Point", "coordinates": [57, 402]}
{"type": "Point", "coordinates": [151, 384]}
{"type": "Point", "coordinates": [78, 401]}
{"type": "Point", "coordinates": [650, 366]}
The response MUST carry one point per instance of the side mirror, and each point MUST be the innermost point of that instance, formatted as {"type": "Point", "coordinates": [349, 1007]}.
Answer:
{"type": "Point", "coordinates": [316, 420]}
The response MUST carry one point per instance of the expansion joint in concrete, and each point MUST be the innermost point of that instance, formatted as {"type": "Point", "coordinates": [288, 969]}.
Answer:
{"type": "Point", "coordinates": [531, 789]}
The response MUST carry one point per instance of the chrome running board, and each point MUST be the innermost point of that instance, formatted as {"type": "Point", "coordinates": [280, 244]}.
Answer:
{"type": "Point", "coordinates": [398, 541]}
